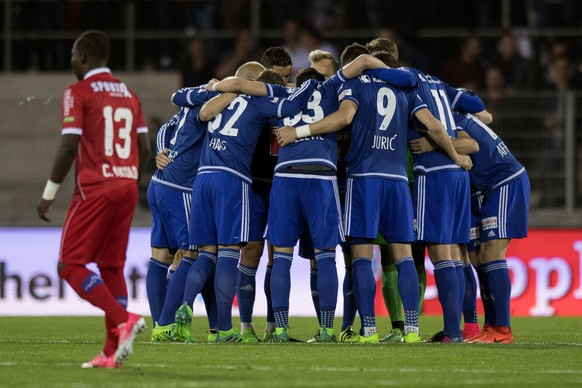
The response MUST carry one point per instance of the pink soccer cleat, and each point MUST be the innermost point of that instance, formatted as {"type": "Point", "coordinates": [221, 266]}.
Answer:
{"type": "Point", "coordinates": [127, 332]}
{"type": "Point", "coordinates": [101, 361]}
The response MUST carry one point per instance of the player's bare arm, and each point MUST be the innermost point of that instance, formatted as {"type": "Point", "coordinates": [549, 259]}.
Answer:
{"type": "Point", "coordinates": [484, 116]}
{"type": "Point", "coordinates": [439, 134]}
{"type": "Point", "coordinates": [61, 166]}
{"type": "Point", "coordinates": [162, 159]}
{"type": "Point", "coordinates": [215, 105]}
{"type": "Point", "coordinates": [332, 123]}
{"type": "Point", "coordinates": [360, 64]}
{"type": "Point", "coordinates": [464, 144]}
{"type": "Point", "coordinates": [239, 84]}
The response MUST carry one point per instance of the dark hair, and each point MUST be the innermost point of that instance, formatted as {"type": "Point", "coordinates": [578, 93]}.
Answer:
{"type": "Point", "coordinates": [271, 77]}
{"type": "Point", "coordinates": [275, 56]}
{"type": "Point", "coordinates": [383, 44]}
{"type": "Point", "coordinates": [94, 43]}
{"type": "Point", "coordinates": [308, 73]}
{"type": "Point", "coordinates": [351, 52]}
{"type": "Point", "coordinates": [387, 58]}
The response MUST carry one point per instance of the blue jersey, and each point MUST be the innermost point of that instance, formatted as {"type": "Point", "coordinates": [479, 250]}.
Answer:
{"type": "Point", "coordinates": [378, 143]}
{"type": "Point", "coordinates": [165, 133]}
{"type": "Point", "coordinates": [493, 164]}
{"type": "Point", "coordinates": [441, 100]}
{"type": "Point", "coordinates": [318, 149]}
{"type": "Point", "coordinates": [232, 135]}
{"type": "Point", "coordinates": [192, 96]}
{"type": "Point", "coordinates": [185, 147]}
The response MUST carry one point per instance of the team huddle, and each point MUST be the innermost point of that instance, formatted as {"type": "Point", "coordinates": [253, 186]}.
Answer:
{"type": "Point", "coordinates": [362, 154]}
{"type": "Point", "coordinates": [249, 160]}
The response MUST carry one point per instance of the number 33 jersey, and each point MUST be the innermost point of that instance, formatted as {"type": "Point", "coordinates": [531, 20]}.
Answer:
{"type": "Point", "coordinates": [108, 117]}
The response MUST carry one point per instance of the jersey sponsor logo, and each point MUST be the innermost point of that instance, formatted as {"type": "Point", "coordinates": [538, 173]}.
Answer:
{"type": "Point", "coordinates": [347, 92]}
{"type": "Point", "coordinates": [475, 234]}
{"type": "Point", "coordinates": [69, 119]}
{"type": "Point", "coordinates": [115, 88]}
{"type": "Point", "coordinates": [384, 142]}
{"type": "Point", "coordinates": [489, 223]}
{"type": "Point", "coordinates": [68, 102]}
{"type": "Point", "coordinates": [109, 171]}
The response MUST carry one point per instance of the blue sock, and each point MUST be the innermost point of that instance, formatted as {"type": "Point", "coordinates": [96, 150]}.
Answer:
{"type": "Point", "coordinates": [198, 275]}
{"type": "Point", "coordinates": [246, 292]}
{"type": "Point", "coordinates": [447, 284]}
{"type": "Point", "coordinates": [485, 294]}
{"type": "Point", "coordinates": [470, 300]}
{"type": "Point", "coordinates": [328, 284]}
{"type": "Point", "coordinates": [349, 302]}
{"type": "Point", "coordinates": [267, 288]}
{"type": "Point", "coordinates": [314, 291]}
{"type": "Point", "coordinates": [210, 302]}
{"type": "Point", "coordinates": [281, 286]}
{"type": "Point", "coordinates": [156, 287]}
{"type": "Point", "coordinates": [409, 290]}
{"type": "Point", "coordinates": [364, 285]}
{"type": "Point", "coordinates": [225, 280]}
{"type": "Point", "coordinates": [500, 286]}
{"type": "Point", "coordinates": [175, 293]}
{"type": "Point", "coordinates": [461, 279]}
{"type": "Point", "coordinates": [169, 275]}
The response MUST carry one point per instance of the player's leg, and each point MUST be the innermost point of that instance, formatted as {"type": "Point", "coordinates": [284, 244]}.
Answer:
{"type": "Point", "coordinates": [280, 291]}
{"type": "Point", "coordinates": [246, 289]}
{"type": "Point", "coordinates": [390, 292]}
{"type": "Point", "coordinates": [418, 254]}
{"type": "Point", "coordinates": [470, 317]}
{"type": "Point", "coordinates": [458, 262]}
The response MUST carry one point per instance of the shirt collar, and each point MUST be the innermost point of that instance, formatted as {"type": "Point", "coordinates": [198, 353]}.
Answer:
{"type": "Point", "coordinates": [97, 70]}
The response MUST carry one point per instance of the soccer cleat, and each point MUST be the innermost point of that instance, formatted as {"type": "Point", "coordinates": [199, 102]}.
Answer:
{"type": "Point", "coordinates": [127, 332]}
{"type": "Point", "coordinates": [212, 335]}
{"type": "Point", "coordinates": [268, 337]}
{"type": "Point", "coordinates": [500, 334]}
{"type": "Point", "coordinates": [163, 333]}
{"type": "Point", "coordinates": [249, 336]}
{"type": "Point", "coordinates": [281, 334]}
{"type": "Point", "coordinates": [314, 339]}
{"type": "Point", "coordinates": [442, 337]}
{"type": "Point", "coordinates": [470, 330]}
{"type": "Point", "coordinates": [183, 318]}
{"type": "Point", "coordinates": [349, 335]}
{"type": "Point", "coordinates": [484, 331]}
{"type": "Point", "coordinates": [326, 335]}
{"type": "Point", "coordinates": [228, 336]}
{"type": "Point", "coordinates": [373, 339]}
{"type": "Point", "coordinates": [395, 335]}
{"type": "Point", "coordinates": [101, 361]}
{"type": "Point", "coordinates": [412, 338]}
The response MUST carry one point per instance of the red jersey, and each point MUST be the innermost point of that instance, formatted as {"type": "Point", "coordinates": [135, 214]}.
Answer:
{"type": "Point", "coordinates": [108, 117]}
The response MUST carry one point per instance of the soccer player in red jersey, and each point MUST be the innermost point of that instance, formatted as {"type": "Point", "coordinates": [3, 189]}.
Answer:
{"type": "Point", "coordinates": [105, 135]}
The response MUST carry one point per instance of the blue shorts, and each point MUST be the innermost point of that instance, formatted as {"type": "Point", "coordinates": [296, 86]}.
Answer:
{"type": "Point", "coordinates": [475, 235]}
{"type": "Point", "coordinates": [170, 210]}
{"type": "Point", "coordinates": [220, 210]}
{"type": "Point", "coordinates": [259, 210]}
{"type": "Point", "coordinates": [442, 207]}
{"type": "Point", "coordinates": [303, 199]}
{"type": "Point", "coordinates": [379, 205]}
{"type": "Point", "coordinates": [504, 213]}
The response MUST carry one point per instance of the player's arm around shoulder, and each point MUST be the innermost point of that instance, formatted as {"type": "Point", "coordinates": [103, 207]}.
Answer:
{"type": "Point", "coordinates": [215, 105]}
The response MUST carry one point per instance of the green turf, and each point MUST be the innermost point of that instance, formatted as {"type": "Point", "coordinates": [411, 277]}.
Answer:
{"type": "Point", "coordinates": [48, 352]}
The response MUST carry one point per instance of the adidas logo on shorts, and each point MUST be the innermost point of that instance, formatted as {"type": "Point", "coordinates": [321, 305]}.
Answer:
{"type": "Point", "coordinates": [491, 234]}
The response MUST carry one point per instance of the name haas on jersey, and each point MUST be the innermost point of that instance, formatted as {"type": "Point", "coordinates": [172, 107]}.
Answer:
{"type": "Point", "coordinates": [217, 144]}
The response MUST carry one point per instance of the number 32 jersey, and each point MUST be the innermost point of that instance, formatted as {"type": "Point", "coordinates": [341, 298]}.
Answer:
{"type": "Point", "coordinates": [108, 117]}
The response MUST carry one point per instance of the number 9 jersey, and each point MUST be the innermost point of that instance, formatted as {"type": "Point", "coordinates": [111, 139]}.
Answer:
{"type": "Point", "coordinates": [108, 117]}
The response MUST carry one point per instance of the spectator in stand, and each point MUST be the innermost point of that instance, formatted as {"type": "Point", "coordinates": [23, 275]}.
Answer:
{"type": "Point", "coordinates": [245, 50]}
{"type": "Point", "coordinates": [409, 54]}
{"type": "Point", "coordinates": [466, 70]}
{"type": "Point", "coordinates": [196, 68]}
{"type": "Point", "coordinates": [292, 44]}
{"type": "Point", "coordinates": [519, 72]}
{"type": "Point", "coordinates": [311, 39]}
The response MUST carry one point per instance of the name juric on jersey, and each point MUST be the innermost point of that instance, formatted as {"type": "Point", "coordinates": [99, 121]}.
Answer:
{"type": "Point", "coordinates": [217, 144]}
{"type": "Point", "coordinates": [314, 137]}
{"type": "Point", "coordinates": [384, 142]}
{"type": "Point", "coordinates": [109, 171]}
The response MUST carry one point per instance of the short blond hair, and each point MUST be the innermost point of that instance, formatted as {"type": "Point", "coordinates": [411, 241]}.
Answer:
{"type": "Point", "coordinates": [320, 55]}
{"type": "Point", "coordinates": [249, 70]}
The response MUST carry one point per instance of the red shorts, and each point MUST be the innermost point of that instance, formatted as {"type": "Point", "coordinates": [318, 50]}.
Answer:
{"type": "Point", "coordinates": [97, 229]}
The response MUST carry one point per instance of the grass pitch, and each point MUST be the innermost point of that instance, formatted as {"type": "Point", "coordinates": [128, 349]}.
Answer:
{"type": "Point", "coordinates": [48, 352]}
